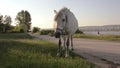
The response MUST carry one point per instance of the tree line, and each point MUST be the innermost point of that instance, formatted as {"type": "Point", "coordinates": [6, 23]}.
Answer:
{"type": "Point", "coordinates": [22, 20]}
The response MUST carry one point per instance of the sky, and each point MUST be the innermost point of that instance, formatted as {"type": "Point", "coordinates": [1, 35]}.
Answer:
{"type": "Point", "coordinates": [87, 12]}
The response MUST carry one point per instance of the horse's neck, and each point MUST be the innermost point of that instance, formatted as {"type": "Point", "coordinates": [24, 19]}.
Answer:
{"type": "Point", "coordinates": [72, 23]}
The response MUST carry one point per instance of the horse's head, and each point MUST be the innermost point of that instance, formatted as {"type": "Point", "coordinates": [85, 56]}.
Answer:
{"type": "Point", "coordinates": [60, 22]}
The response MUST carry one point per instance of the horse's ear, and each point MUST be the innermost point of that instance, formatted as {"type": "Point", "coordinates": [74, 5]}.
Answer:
{"type": "Point", "coordinates": [55, 11]}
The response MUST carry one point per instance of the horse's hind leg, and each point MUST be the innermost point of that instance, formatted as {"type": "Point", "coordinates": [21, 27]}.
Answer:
{"type": "Point", "coordinates": [67, 48]}
{"type": "Point", "coordinates": [59, 47]}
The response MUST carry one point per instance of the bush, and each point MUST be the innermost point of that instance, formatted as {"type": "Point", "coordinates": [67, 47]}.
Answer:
{"type": "Point", "coordinates": [79, 32]}
{"type": "Point", "coordinates": [7, 29]}
{"type": "Point", "coordinates": [14, 32]}
{"type": "Point", "coordinates": [14, 29]}
{"type": "Point", "coordinates": [21, 31]}
{"type": "Point", "coordinates": [47, 32]}
{"type": "Point", "coordinates": [35, 29]}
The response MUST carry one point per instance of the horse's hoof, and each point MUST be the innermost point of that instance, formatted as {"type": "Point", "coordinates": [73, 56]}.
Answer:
{"type": "Point", "coordinates": [63, 48]}
{"type": "Point", "coordinates": [66, 55]}
{"type": "Point", "coordinates": [58, 54]}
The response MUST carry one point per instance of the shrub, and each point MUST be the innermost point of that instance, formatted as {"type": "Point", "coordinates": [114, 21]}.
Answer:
{"type": "Point", "coordinates": [47, 32]}
{"type": "Point", "coordinates": [79, 32]}
{"type": "Point", "coordinates": [35, 29]}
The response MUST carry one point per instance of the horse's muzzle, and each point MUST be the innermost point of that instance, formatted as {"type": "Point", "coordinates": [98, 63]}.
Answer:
{"type": "Point", "coordinates": [57, 34]}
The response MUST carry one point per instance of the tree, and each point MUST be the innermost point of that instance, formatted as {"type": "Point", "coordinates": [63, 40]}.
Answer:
{"type": "Point", "coordinates": [24, 18]}
{"type": "Point", "coordinates": [1, 16]}
{"type": "Point", "coordinates": [1, 24]}
{"type": "Point", "coordinates": [6, 20]}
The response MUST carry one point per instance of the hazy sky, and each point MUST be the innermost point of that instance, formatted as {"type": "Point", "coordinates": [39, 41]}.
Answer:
{"type": "Point", "coordinates": [87, 12]}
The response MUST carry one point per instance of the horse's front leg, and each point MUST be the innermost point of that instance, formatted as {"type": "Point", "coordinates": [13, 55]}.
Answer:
{"type": "Point", "coordinates": [67, 48]}
{"type": "Point", "coordinates": [64, 42]}
{"type": "Point", "coordinates": [59, 47]}
{"type": "Point", "coordinates": [71, 43]}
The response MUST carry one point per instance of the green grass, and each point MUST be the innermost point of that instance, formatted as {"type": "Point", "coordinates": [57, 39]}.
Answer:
{"type": "Point", "coordinates": [19, 51]}
{"type": "Point", "coordinates": [98, 37]}
{"type": "Point", "coordinates": [14, 36]}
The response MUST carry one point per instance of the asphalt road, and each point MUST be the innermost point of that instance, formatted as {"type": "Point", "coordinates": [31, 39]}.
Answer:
{"type": "Point", "coordinates": [105, 54]}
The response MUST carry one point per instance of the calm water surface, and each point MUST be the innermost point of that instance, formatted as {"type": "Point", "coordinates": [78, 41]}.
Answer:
{"type": "Point", "coordinates": [103, 32]}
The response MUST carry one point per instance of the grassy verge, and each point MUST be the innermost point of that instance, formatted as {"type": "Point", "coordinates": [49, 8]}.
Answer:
{"type": "Point", "coordinates": [99, 37]}
{"type": "Point", "coordinates": [14, 36]}
{"type": "Point", "coordinates": [19, 51]}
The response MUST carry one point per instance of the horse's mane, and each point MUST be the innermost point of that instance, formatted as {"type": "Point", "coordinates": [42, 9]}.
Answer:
{"type": "Point", "coordinates": [60, 12]}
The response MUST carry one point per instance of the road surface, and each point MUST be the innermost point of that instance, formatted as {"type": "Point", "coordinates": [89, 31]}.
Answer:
{"type": "Point", "coordinates": [105, 54]}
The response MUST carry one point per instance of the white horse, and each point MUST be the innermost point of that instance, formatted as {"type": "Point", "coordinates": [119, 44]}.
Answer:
{"type": "Point", "coordinates": [65, 25]}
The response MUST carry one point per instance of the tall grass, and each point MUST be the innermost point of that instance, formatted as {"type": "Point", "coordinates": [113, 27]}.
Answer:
{"type": "Point", "coordinates": [29, 53]}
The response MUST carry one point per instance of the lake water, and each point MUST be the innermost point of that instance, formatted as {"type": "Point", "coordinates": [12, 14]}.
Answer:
{"type": "Point", "coordinates": [103, 32]}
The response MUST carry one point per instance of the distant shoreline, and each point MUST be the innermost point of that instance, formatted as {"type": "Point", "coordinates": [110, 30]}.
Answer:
{"type": "Point", "coordinates": [101, 28]}
{"type": "Point", "coordinates": [102, 32]}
